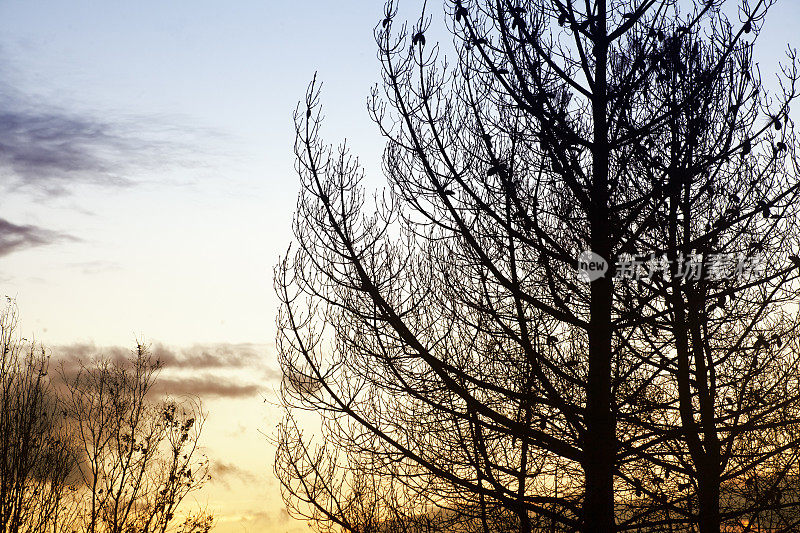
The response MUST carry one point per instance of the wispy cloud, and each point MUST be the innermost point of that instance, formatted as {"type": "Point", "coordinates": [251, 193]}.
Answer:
{"type": "Point", "coordinates": [214, 356]}
{"type": "Point", "coordinates": [70, 356]}
{"type": "Point", "coordinates": [47, 151]}
{"type": "Point", "coordinates": [95, 267]}
{"type": "Point", "coordinates": [206, 386]}
{"type": "Point", "coordinates": [260, 520]}
{"type": "Point", "coordinates": [225, 472]}
{"type": "Point", "coordinates": [14, 237]}
{"type": "Point", "coordinates": [205, 371]}
{"type": "Point", "coordinates": [50, 151]}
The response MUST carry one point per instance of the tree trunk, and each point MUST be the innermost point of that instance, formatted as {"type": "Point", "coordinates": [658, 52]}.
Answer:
{"type": "Point", "coordinates": [708, 500]}
{"type": "Point", "coordinates": [600, 442]}
{"type": "Point", "coordinates": [600, 448]}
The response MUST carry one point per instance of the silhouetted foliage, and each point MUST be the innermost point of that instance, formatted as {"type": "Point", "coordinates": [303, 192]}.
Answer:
{"type": "Point", "coordinates": [94, 451]}
{"type": "Point", "coordinates": [138, 456]}
{"type": "Point", "coordinates": [35, 451]}
{"type": "Point", "coordinates": [466, 378]}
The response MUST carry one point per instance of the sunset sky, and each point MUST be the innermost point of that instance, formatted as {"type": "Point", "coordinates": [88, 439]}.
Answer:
{"type": "Point", "coordinates": [148, 186]}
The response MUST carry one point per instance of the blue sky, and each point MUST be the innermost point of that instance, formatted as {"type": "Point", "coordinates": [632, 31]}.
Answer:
{"type": "Point", "coordinates": [171, 189]}
{"type": "Point", "coordinates": [175, 201]}
{"type": "Point", "coordinates": [206, 91]}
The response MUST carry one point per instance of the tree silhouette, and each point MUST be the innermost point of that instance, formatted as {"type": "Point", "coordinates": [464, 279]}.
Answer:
{"type": "Point", "coordinates": [735, 358]}
{"type": "Point", "coordinates": [35, 451]}
{"type": "Point", "coordinates": [729, 201]}
{"type": "Point", "coordinates": [93, 451]}
{"type": "Point", "coordinates": [138, 457]}
{"type": "Point", "coordinates": [459, 364]}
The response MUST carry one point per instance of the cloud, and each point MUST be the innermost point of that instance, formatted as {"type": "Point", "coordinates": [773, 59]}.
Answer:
{"type": "Point", "coordinates": [196, 357]}
{"type": "Point", "coordinates": [216, 370]}
{"type": "Point", "coordinates": [214, 356]}
{"type": "Point", "coordinates": [14, 237]}
{"type": "Point", "coordinates": [70, 356]}
{"type": "Point", "coordinates": [51, 150]}
{"type": "Point", "coordinates": [224, 472]}
{"type": "Point", "coordinates": [208, 385]}
{"type": "Point", "coordinates": [260, 520]}
{"type": "Point", "coordinates": [95, 267]}
{"type": "Point", "coordinates": [48, 150]}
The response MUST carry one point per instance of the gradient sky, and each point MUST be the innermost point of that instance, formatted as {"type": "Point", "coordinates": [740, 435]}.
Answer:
{"type": "Point", "coordinates": [147, 189]}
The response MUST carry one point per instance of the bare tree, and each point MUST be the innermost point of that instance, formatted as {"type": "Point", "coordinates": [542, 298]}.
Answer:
{"type": "Point", "coordinates": [94, 451]}
{"type": "Point", "coordinates": [730, 202]}
{"type": "Point", "coordinates": [138, 456]}
{"type": "Point", "coordinates": [440, 330]}
{"type": "Point", "coordinates": [35, 458]}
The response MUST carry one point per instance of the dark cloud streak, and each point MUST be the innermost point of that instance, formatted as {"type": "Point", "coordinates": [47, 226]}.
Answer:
{"type": "Point", "coordinates": [225, 471]}
{"type": "Point", "coordinates": [215, 356]}
{"type": "Point", "coordinates": [46, 152]}
{"type": "Point", "coordinates": [51, 151]}
{"type": "Point", "coordinates": [205, 386]}
{"type": "Point", "coordinates": [215, 370]}
{"type": "Point", "coordinates": [14, 237]}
